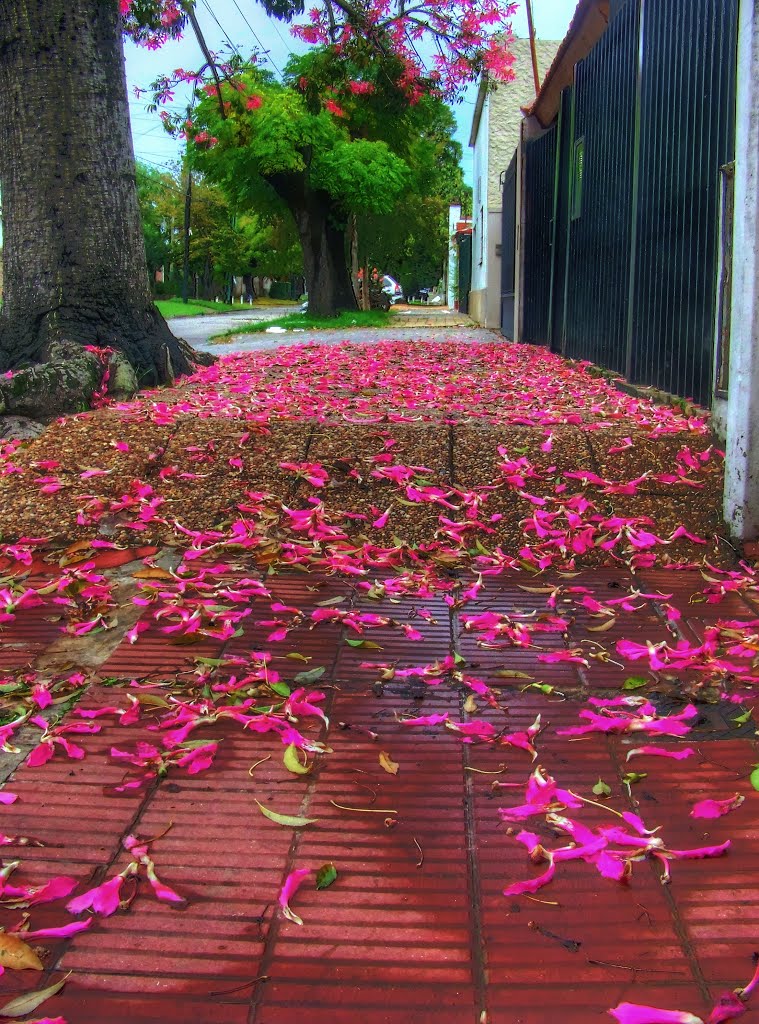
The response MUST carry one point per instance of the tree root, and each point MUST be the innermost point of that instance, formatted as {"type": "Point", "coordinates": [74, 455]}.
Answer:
{"type": "Point", "coordinates": [74, 377]}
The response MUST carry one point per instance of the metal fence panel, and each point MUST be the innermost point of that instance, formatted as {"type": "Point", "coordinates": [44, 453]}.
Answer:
{"type": "Point", "coordinates": [687, 134]}
{"type": "Point", "coordinates": [598, 253]}
{"type": "Point", "coordinates": [540, 162]}
{"type": "Point", "coordinates": [465, 271]}
{"type": "Point", "coordinates": [508, 249]}
{"type": "Point", "coordinates": [561, 215]}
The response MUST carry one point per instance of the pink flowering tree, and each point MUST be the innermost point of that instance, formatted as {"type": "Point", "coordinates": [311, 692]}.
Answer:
{"type": "Point", "coordinates": [74, 261]}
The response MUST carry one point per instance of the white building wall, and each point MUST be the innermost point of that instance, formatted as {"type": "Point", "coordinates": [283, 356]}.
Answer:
{"type": "Point", "coordinates": [493, 147]}
{"type": "Point", "coordinates": [452, 271]}
{"type": "Point", "coordinates": [742, 448]}
{"type": "Point", "coordinates": [480, 201]}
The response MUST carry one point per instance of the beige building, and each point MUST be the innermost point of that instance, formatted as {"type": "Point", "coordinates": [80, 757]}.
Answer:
{"type": "Point", "coordinates": [495, 135]}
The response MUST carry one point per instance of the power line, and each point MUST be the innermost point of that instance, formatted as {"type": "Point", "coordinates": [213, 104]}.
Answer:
{"type": "Point", "coordinates": [257, 38]}
{"type": "Point", "coordinates": [221, 27]}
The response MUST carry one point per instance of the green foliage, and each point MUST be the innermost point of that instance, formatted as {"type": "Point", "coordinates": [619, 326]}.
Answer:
{"type": "Point", "coordinates": [193, 307]}
{"type": "Point", "coordinates": [412, 244]}
{"type": "Point", "coordinates": [222, 242]}
{"type": "Point", "coordinates": [343, 130]}
{"type": "Point", "coordinates": [153, 187]}
{"type": "Point", "coordinates": [274, 146]}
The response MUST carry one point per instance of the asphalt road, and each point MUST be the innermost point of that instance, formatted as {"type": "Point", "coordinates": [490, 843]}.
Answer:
{"type": "Point", "coordinates": [197, 330]}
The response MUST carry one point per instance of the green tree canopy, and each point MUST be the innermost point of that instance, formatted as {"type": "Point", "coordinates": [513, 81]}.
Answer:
{"type": "Point", "coordinates": [276, 147]}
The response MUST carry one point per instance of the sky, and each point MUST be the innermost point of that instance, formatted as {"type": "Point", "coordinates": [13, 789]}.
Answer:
{"type": "Point", "coordinates": [244, 23]}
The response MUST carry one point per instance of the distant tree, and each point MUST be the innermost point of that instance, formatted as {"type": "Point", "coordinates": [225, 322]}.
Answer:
{"type": "Point", "coordinates": [272, 145]}
{"type": "Point", "coordinates": [223, 243]}
{"type": "Point", "coordinates": [412, 243]}
{"type": "Point", "coordinates": [155, 191]}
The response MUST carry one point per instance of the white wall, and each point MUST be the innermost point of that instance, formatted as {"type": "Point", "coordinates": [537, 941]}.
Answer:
{"type": "Point", "coordinates": [742, 450]}
{"type": "Point", "coordinates": [480, 200]}
{"type": "Point", "coordinates": [454, 216]}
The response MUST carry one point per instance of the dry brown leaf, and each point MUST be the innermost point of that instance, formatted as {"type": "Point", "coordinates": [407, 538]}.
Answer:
{"type": "Point", "coordinates": [153, 572]}
{"type": "Point", "coordinates": [390, 766]}
{"type": "Point", "coordinates": [16, 955]}
{"type": "Point", "coordinates": [603, 627]}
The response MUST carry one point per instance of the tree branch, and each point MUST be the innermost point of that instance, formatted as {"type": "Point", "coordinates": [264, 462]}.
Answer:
{"type": "Point", "coordinates": [189, 8]}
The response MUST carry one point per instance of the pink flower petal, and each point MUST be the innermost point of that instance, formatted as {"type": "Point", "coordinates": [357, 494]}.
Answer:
{"type": "Point", "coordinates": [716, 808]}
{"type": "Point", "coordinates": [291, 885]}
{"type": "Point", "coordinates": [426, 720]}
{"type": "Point", "coordinates": [701, 852]}
{"type": "Point", "coordinates": [163, 892]}
{"type": "Point", "coordinates": [678, 754]}
{"type": "Point", "coordinates": [611, 867]}
{"type": "Point", "coordinates": [531, 885]}
{"type": "Point", "coordinates": [103, 899]}
{"type": "Point", "coordinates": [634, 1013]}
{"type": "Point", "coordinates": [727, 1007]}
{"type": "Point", "coordinates": [55, 889]}
{"type": "Point", "coordinates": [58, 933]}
{"type": "Point", "coordinates": [40, 755]}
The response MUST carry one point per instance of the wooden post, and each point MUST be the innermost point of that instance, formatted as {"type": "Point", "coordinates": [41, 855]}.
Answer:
{"type": "Point", "coordinates": [533, 50]}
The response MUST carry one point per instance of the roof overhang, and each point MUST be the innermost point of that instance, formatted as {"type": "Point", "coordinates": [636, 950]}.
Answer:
{"type": "Point", "coordinates": [479, 104]}
{"type": "Point", "coordinates": [586, 28]}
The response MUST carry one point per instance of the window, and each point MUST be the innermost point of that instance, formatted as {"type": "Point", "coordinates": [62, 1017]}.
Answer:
{"type": "Point", "coordinates": [578, 168]}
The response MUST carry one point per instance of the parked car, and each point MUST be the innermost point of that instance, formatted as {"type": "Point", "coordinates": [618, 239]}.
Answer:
{"type": "Point", "coordinates": [392, 289]}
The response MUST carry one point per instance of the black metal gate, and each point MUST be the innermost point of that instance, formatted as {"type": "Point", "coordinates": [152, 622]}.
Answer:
{"type": "Point", "coordinates": [465, 271]}
{"type": "Point", "coordinates": [687, 133]}
{"type": "Point", "coordinates": [539, 163]}
{"type": "Point", "coordinates": [598, 180]}
{"type": "Point", "coordinates": [561, 213]}
{"type": "Point", "coordinates": [642, 135]}
{"type": "Point", "coordinates": [508, 249]}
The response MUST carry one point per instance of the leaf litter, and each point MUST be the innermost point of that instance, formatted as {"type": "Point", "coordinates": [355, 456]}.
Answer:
{"type": "Point", "coordinates": [216, 469]}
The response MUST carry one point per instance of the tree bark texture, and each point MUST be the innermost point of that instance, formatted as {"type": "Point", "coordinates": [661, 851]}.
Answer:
{"type": "Point", "coordinates": [322, 239]}
{"type": "Point", "coordinates": [74, 254]}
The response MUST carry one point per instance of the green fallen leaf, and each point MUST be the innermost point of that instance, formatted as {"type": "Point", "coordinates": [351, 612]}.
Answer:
{"type": "Point", "coordinates": [297, 657]}
{"type": "Point", "coordinates": [284, 819]}
{"type": "Point", "coordinates": [632, 777]}
{"type": "Point", "coordinates": [458, 660]}
{"type": "Point", "coordinates": [196, 744]}
{"type": "Point", "coordinates": [331, 601]}
{"type": "Point", "coordinates": [754, 777]}
{"type": "Point", "coordinates": [28, 1003]}
{"type": "Point", "coordinates": [742, 719]}
{"type": "Point", "coordinates": [634, 682]}
{"type": "Point", "coordinates": [293, 762]}
{"type": "Point", "coordinates": [363, 643]}
{"type": "Point", "coordinates": [281, 688]}
{"type": "Point", "coordinates": [601, 789]}
{"type": "Point", "coordinates": [310, 675]}
{"type": "Point", "coordinates": [325, 876]}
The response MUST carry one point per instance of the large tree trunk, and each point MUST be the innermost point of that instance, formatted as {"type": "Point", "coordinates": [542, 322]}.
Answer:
{"type": "Point", "coordinates": [74, 255]}
{"type": "Point", "coordinates": [324, 261]}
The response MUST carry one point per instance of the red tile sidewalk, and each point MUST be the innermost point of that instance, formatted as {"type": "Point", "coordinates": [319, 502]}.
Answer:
{"type": "Point", "coordinates": [416, 928]}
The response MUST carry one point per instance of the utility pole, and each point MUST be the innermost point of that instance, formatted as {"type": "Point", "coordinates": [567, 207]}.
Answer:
{"type": "Point", "coordinates": [187, 213]}
{"type": "Point", "coordinates": [533, 50]}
